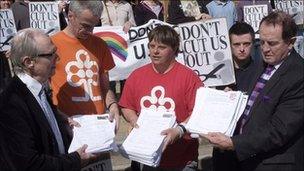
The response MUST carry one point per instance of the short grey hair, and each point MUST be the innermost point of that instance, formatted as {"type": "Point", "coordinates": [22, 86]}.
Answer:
{"type": "Point", "coordinates": [78, 6]}
{"type": "Point", "coordinates": [24, 44]}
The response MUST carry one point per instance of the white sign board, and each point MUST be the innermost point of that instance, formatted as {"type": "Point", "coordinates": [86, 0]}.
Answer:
{"type": "Point", "coordinates": [129, 50]}
{"type": "Point", "coordinates": [208, 55]}
{"type": "Point", "coordinates": [7, 28]}
{"type": "Point", "coordinates": [206, 49]}
{"type": "Point", "coordinates": [253, 14]}
{"type": "Point", "coordinates": [45, 16]}
{"type": "Point", "coordinates": [294, 8]}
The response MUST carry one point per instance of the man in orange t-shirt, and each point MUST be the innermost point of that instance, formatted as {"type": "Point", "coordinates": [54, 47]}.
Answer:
{"type": "Point", "coordinates": [81, 85]}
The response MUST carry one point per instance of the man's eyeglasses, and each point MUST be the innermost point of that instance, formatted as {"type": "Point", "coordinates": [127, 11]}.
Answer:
{"type": "Point", "coordinates": [51, 56]}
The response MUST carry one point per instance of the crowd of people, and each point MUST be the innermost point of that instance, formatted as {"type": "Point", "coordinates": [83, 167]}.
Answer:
{"type": "Point", "coordinates": [46, 80]}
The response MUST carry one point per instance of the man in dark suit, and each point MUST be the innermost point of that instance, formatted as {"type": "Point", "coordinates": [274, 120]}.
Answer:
{"type": "Point", "coordinates": [35, 135]}
{"type": "Point", "coordinates": [270, 135]}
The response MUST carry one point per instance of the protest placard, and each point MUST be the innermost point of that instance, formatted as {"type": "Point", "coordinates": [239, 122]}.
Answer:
{"type": "Point", "coordinates": [7, 28]}
{"type": "Point", "coordinates": [294, 8]}
{"type": "Point", "coordinates": [45, 16]}
{"type": "Point", "coordinates": [206, 49]}
{"type": "Point", "coordinates": [253, 14]}
{"type": "Point", "coordinates": [129, 50]}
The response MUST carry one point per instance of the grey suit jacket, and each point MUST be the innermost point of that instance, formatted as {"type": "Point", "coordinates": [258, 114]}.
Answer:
{"type": "Point", "coordinates": [272, 137]}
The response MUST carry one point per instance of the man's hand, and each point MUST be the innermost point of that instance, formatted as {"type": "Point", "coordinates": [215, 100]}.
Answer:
{"type": "Point", "coordinates": [133, 122]}
{"type": "Point", "coordinates": [114, 114]}
{"type": "Point", "coordinates": [127, 26]}
{"type": "Point", "coordinates": [172, 134]}
{"type": "Point", "coordinates": [61, 6]}
{"type": "Point", "coordinates": [73, 123]}
{"type": "Point", "coordinates": [219, 140]}
{"type": "Point", "coordinates": [203, 17]}
{"type": "Point", "coordinates": [85, 157]}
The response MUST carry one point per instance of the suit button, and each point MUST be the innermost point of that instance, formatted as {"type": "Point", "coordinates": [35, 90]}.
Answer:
{"type": "Point", "coordinates": [252, 155]}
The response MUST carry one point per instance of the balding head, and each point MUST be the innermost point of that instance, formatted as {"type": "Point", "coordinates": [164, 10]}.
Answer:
{"type": "Point", "coordinates": [25, 44]}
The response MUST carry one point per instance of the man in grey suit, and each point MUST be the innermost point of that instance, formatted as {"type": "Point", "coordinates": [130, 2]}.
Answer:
{"type": "Point", "coordinates": [34, 134]}
{"type": "Point", "coordinates": [269, 135]}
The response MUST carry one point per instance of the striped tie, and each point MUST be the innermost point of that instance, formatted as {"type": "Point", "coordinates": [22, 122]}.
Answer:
{"type": "Point", "coordinates": [255, 93]}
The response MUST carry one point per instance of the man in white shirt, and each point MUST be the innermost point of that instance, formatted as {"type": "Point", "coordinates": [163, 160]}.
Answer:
{"type": "Point", "coordinates": [36, 138]}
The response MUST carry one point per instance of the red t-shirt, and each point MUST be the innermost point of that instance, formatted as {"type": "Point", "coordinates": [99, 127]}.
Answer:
{"type": "Point", "coordinates": [180, 85]}
{"type": "Point", "coordinates": [76, 83]}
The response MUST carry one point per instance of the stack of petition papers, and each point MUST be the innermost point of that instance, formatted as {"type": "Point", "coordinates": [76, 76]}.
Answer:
{"type": "Point", "coordinates": [144, 144]}
{"type": "Point", "coordinates": [96, 131]}
{"type": "Point", "coordinates": [216, 111]}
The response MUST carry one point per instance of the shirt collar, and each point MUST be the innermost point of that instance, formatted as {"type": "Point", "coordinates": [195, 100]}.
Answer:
{"type": "Point", "coordinates": [220, 2]}
{"type": "Point", "coordinates": [33, 85]}
{"type": "Point", "coordinates": [278, 65]}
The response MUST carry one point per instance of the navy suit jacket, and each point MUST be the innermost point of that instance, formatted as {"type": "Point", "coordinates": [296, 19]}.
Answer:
{"type": "Point", "coordinates": [30, 142]}
{"type": "Point", "coordinates": [272, 138]}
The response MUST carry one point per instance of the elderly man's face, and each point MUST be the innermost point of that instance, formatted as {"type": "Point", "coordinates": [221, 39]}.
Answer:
{"type": "Point", "coordinates": [274, 48]}
{"type": "Point", "coordinates": [82, 24]}
{"type": "Point", "coordinates": [45, 62]}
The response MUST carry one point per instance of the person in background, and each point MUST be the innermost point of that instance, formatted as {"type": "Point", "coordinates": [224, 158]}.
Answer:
{"type": "Point", "coordinates": [5, 4]}
{"type": "Point", "coordinates": [241, 39]}
{"type": "Point", "coordinates": [117, 13]}
{"type": "Point", "coordinates": [178, 84]}
{"type": "Point", "coordinates": [193, 11]}
{"type": "Point", "coordinates": [147, 10]}
{"type": "Point", "coordinates": [81, 82]}
{"type": "Point", "coordinates": [5, 69]}
{"type": "Point", "coordinates": [35, 135]}
{"type": "Point", "coordinates": [63, 8]}
{"type": "Point", "coordinates": [270, 133]}
{"type": "Point", "coordinates": [223, 9]}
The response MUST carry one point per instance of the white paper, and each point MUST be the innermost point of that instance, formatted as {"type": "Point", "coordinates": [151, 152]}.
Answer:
{"type": "Point", "coordinates": [216, 111]}
{"type": "Point", "coordinates": [144, 144]}
{"type": "Point", "coordinates": [96, 131]}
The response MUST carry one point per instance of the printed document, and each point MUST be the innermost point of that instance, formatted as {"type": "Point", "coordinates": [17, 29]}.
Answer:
{"type": "Point", "coordinates": [216, 111]}
{"type": "Point", "coordinates": [96, 131]}
{"type": "Point", "coordinates": [144, 144]}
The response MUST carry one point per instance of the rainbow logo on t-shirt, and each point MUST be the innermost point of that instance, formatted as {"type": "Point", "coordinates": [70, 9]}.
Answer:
{"type": "Point", "coordinates": [118, 46]}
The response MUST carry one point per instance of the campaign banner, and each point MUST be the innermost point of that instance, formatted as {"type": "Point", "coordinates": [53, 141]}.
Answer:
{"type": "Point", "coordinates": [45, 16]}
{"type": "Point", "coordinates": [294, 8]}
{"type": "Point", "coordinates": [129, 50]}
{"type": "Point", "coordinates": [7, 28]}
{"type": "Point", "coordinates": [206, 49]}
{"type": "Point", "coordinates": [212, 63]}
{"type": "Point", "coordinates": [253, 15]}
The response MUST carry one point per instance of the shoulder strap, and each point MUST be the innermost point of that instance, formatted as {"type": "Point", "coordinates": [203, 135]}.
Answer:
{"type": "Point", "coordinates": [106, 7]}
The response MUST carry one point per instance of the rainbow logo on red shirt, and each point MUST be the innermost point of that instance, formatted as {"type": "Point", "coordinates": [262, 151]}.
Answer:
{"type": "Point", "coordinates": [118, 46]}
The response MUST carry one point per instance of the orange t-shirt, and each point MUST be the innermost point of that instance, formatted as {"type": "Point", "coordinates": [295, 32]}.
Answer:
{"type": "Point", "coordinates": [76, 83]}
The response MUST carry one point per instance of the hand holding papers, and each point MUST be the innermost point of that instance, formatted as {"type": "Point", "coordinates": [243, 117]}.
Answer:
{"type": "Point", "coordinates": [96, 131]}
{"type": "Point", "coordinates": [216, 111]}
{"type": "Point", "coordinates": [144, 144]}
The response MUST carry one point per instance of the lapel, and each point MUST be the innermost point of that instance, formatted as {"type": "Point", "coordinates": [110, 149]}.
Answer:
{"type": "Point", "coordinates": [275, 78]}
{"type": "Point", "coordinates": [32, 104]}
